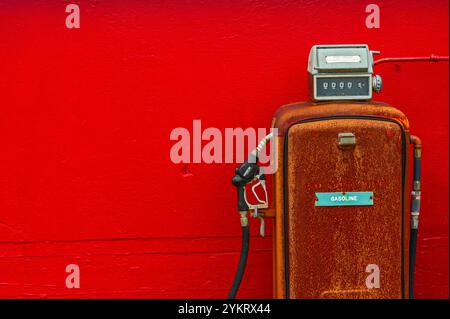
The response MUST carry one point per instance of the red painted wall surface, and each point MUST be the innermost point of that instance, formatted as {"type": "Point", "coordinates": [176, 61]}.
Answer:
{"type": "Point", "coordinates": [85, 173]}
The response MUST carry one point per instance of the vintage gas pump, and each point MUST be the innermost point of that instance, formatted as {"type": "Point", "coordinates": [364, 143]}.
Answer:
{"type": "Point", "coordinates": [345, 213]}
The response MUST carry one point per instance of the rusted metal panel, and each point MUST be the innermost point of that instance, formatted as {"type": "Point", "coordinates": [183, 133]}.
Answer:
{"type": "Point", "coordinates": [290, 113]}
{"type": "Point", "coordinates": [329, 248]}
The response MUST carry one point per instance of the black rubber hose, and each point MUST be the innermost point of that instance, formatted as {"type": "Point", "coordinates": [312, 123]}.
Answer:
{"type": "Point", "coordinates": [242, 263]}
{"type": "Point", "coordinates": [415, 211]}
{"type": "Point", "coordinates": [412, 261]}
{"type": "Point", "coordinates": [417, 169]}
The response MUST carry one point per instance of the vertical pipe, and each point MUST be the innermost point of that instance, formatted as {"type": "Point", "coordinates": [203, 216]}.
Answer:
{"type": "Point", "coordinates": [415, 210]}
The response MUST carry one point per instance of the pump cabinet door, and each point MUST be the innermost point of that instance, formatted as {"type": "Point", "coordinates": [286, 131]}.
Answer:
{"type": "Point", "coordinates": [344, 208]}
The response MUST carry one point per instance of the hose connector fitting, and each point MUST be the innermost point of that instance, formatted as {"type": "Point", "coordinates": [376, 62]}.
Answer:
{"type": "Point", "coordinates": [244, 218]}
{"type": "Point", "coordinates": [415, 209]}
{"type": "Point", "coordinates": [414, 220]}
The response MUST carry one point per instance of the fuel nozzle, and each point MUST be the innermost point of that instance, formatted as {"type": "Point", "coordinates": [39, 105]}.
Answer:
{"type": "Point", "coordinates": [245, 173]}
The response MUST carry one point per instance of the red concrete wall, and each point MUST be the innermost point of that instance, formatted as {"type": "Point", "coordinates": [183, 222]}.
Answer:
{"type": "Point", "coordinates": [85, 173]}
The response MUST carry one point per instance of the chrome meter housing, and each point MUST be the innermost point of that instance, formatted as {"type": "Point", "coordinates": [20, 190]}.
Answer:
{"type": "Point", "coordinates": [342, 72]}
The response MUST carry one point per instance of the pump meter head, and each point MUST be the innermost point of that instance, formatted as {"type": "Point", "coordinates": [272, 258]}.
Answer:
{"type": "Point", "coordinates": [342, 72]}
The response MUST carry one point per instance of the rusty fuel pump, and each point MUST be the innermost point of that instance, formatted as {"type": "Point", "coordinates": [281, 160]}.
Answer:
{"type": "Point", "coordinates": [345, 213]}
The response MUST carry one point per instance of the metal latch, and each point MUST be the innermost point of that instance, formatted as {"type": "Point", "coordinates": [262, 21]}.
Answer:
{"type": "Point", "coordinates": [346, 140]}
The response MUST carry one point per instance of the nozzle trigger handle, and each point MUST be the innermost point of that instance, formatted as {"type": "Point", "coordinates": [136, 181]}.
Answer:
{"type": "Point", "coordinates": [242, 203]}
{"type": "Point", "coordinates": [240, 183]}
